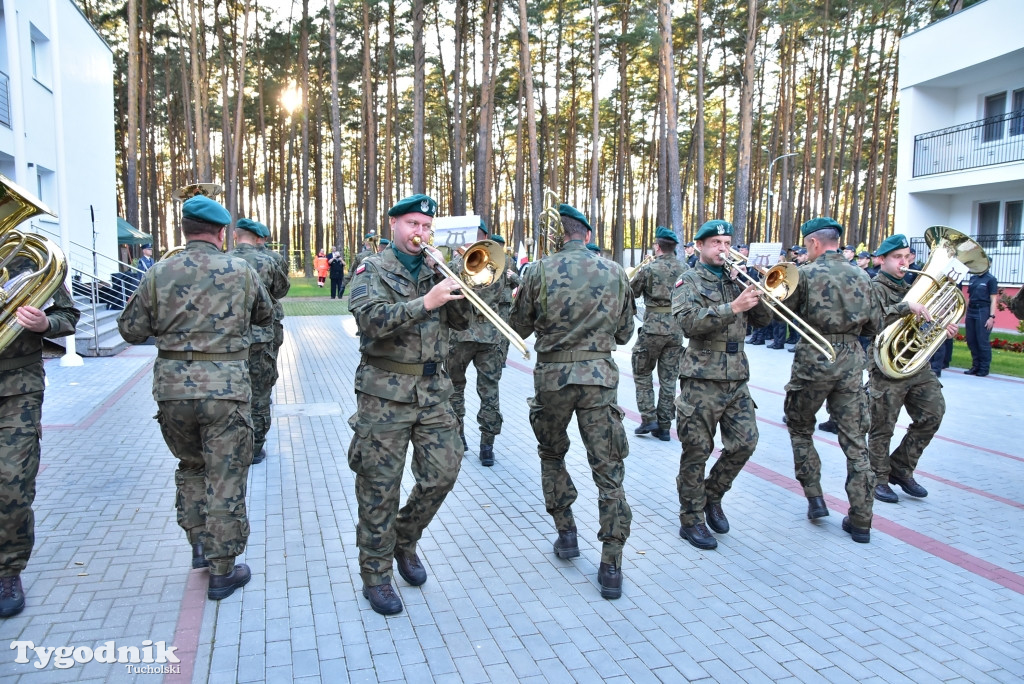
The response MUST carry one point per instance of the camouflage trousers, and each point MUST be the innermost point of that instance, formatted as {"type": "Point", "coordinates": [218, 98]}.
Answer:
{"type": "Point", "coordinates": [922, 395]}
{"type": "Point", "coordinates": [663, 351]}
{"type": "Point", "coordinates": [847, 405]}
{"type": "Point", "coordinates": [212, 440]}
{"type": "Point", "coordinates": [262, 376]}
{"type": "Point", "coordinates": [600, 424]}
{"type": "Point", "coordinates": [489, 364]}
{"type": "Point", "coordinates": [382, 431]}
{"type": "Point", "coordinates": [20, 430]}
{"type": "Point", "coordinates": [704, 405]}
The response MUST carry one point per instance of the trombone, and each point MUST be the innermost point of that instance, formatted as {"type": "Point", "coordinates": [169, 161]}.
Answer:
{"type": "Point", "coordinates": [483, 263]}
{"type": "Point", "coordinates": [631, 272]}
{"type": "Point", "coordinates": [780, 282]}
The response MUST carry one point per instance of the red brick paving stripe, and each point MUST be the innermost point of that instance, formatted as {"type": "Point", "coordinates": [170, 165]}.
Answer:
{"type": "Point", "coordinates": [972, 490]}
{"type": "Point", "coordinates": [190, 622]}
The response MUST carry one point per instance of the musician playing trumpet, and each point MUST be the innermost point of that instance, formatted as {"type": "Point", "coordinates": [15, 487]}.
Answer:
{"type": "Point", "coordinates": [713, 309]}
{"type": "Point", "coordinates": [921, 393]}
{"type": "Point", "coordinates": [405, 313]}
{"type": "Point", "coordinates": [659, 343]}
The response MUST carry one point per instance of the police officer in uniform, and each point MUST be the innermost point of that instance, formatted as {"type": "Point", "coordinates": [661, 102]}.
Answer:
{"type": "Point", "coordinates": [262, 352]}
{"type": "Point", "coordinates": [713, 308]}
{"type": "Point", "coordinates": [480, 344]}
{"type": "Point", "coordinates": [982, 299]}
{"type": "Point", "coordinates": [404, 312]}
{"type": "Point", "coordinates": [201, 307]}
{"type": "Point", "coordinates": [579, 306]}
{"type": "Point", "coordinates": [834, 298]}
{"type": "Point", "coordinates": [21, 412]}
{"type": "Point", "coordinates": [921, 393]}
{"type": "Point", "coordinates": [659, 343]}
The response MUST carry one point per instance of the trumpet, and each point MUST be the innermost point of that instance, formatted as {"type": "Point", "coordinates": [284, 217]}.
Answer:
{"type": "Point", "coordinates": [482, 263]}
{"type": "Point", "coordinates": [780, 282]}
{"type": "Point", "coordinates": [631, 273]}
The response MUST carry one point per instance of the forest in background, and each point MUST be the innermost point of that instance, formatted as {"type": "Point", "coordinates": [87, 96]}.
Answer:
{"type": "Point", "coordinates": [318, 119]}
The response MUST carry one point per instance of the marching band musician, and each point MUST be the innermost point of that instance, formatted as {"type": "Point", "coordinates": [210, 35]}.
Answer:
{"type": "Point", "coordinates": [835, 299]}
{"type": "Point", "coordinates": [404, 313]}
{"type": "Point", "coordinates": [370, 241]}
{"type": "Point", "coordinates": [579, 306]}
{"type": "Point", "coordinates": [505, 301]}
{"type": "Point", "coordinates": [659, 343]}
{"type": "Point", "coordinates": [713, 310]}
{"type": "Point", "coordinates": [921, 393]}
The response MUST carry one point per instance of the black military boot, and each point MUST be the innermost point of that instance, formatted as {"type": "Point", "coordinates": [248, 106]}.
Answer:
{"type": "Point", "coordinates": [462, 434]}
{"type": "Point", "coordinates": [816, 507]}
{"type": "Point", "coordinates": [222, 586]}
{"type": "Point", "coordinates": [383, 599]}
{"type": "Point", "coordinates": [698, 536]}
{"type": "Point", "coordinates": [198, 559]}
{"type": "Point", "coordinates": [566, 546]}
{"type": "Point", "coordinates": [909, 485]}
{"type": "Point", "coordinates": [859, 534]}
{"type": "Point", "coordinates": [609, 578]}
{"type": "Point", "coordinates": [716, 517]}
{"type": "Point", "coordinates": [12, 596]}
{"type": "Point", "coordinates": [410, 568]}
{"type": "Point", "coordinates": [663, 433]}
{"type": "Point", "coordinates": [829, 426]}
{"type": "Point", "coordinates": [486, 454]}
{"type": "Point", "coordinates": [884, 493]}
{"type": "Point", "coordinates": [260, 457]}
{"type": "Point", "coordinates": [646, 428]}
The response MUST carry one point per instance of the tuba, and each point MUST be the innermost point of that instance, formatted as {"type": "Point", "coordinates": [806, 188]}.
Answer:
{"type": "Point", "coordinates": [552, 234]}
{"type": "Point", "coordinates": [908, 344]}
{"type": "Point", "coordinates": [49, 267]}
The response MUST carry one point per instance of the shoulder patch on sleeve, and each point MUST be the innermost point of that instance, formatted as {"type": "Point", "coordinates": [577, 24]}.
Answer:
{"type": "Point", "coordinates": [679, 282]}
{"type": "Point", "coordinates": [358, 291]}
{"type": "Point", "coordinates": [362, 267]}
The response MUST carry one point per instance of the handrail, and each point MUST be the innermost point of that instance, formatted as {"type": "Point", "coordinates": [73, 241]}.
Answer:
{"type": "Point", "coordinates": [93, 298]}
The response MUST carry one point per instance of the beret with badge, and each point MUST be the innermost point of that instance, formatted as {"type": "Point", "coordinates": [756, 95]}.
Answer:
{"type": "Point", "coordinates": [573, 213]}
{"type": "Point", "coordinates": [713, 228]}
{"type": "Point", "coordinates": [414, 204]}
{"type": "Point", "coordinates": [820, 223]}
{"type": "Point", "coordinates": [202, 208]}
{"type": "Point", "coordinates": [664, 233]}
{"type": "Point", "coordinates": [892, 243]}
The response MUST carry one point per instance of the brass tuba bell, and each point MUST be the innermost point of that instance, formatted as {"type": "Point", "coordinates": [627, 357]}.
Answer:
{"type": "Point", "coordinates": [34, 286]}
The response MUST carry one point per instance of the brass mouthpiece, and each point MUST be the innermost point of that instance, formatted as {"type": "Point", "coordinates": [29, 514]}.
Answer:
{"type": "Point", "coordinates": [416, 239]}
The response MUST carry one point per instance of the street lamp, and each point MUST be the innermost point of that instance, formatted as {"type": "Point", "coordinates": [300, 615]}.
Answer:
{"type": "Point", "coordinates": [771, 194]}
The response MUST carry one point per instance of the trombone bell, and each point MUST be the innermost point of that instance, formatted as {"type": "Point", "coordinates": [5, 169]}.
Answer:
{"type": "Point", "coordinates": [482, 263]}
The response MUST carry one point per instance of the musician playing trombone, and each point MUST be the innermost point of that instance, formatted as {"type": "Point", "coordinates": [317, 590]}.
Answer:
{"type": "Point", "coordinates": [921, 392]}
{"type": "Point", "coordinates": [713, 308]}
{"type": "Point", "coordinates": [659, 343]}
{"type": "Point", "coordinates": [404, 312]}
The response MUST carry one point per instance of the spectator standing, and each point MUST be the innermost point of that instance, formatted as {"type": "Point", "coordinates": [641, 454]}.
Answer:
{"type": "Point", "coordinates": [982, 297]}
{"type": "Point", "coordinates": [336, 268]}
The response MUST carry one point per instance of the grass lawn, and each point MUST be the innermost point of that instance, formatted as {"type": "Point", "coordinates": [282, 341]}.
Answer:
{"type": "Point", "coordinates": [1003, 362]}
{"type": "Point", "coordinates": [306, 298]}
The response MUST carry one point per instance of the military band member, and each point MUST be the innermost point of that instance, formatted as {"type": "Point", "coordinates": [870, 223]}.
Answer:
{"type": "Point", "coordinates": [404, 313]}
{"type": "Point", "coordinates": [201, 307]}
{"type": "Point", "coordinates": [282, 262]}
{"type": "Point", "coordinates": [370, 247]}
{"type": "Point", "coordinates": [505, 301]}
{"type": "Point", "coordinates": [834, 298]}
{"type": "Point", "coordinates": [262, 351]}
{"type": "Point", "coordinates": [579, 306]}
{"type": "Point", "coordinates": [921, 393]}
{"type": "Point", "coordinates": [480, 343]}
{"type": "Point", "coordinates": [21, 411]}
{"type": "Point", "coordinates": [713, 309]}
{"type": "Point", "coordinates": [659, 343]}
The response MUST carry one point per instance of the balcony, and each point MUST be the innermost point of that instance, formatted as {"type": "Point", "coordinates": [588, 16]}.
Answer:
{"type": "Point", "coordinates": [995, 140]}
{"type": "Point", "coordinates": [5, 99]}
{"type": "Point", "coordinates": [1005, 251]}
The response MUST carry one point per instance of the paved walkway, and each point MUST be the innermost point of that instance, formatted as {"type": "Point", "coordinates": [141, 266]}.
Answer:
{"type": "Point", "coordinates": [938, 595]}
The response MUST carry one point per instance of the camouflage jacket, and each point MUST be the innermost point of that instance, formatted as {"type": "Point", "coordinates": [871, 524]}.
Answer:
{"type": "Point", "coordinates": [200, 300]}
{"type": "Point", "coordinates": [282, 262]}
{"type": "Point", "coordinates": [496, 295]}
{"type": "Point", "coordinates": [62, 316]}
{"type": "Point", "coordinates": [889, 298]}
{"type": "Point", "coordinates": [360, 258]}
{"type": "Point", "coordinates": [395, 326]}
{"type": "Point", "coordinates": [574, 300]}
{"type": "Point", "coordinates": [835, 299]}
{"type": "Point", "coordinates": [655, 282]}
{"type": "Point", "coordinates": [273, 278]}
{"type": "Point", "coordinates": [702, 306]}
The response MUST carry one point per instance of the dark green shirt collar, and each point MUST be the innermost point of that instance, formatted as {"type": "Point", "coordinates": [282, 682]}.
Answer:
{"type": "Point", "coordinates": [411, 262]}
{"type": "Point", "coordinates": [716, 270]}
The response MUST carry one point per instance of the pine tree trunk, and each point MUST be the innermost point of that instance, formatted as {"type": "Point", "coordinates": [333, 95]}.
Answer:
{"type": "Point", "coordinates": [369, 131]}
{"type": "Point", "coordinates": [418, 99]}
{"type": "Point", "coordinates": [526, 73]}
{"type": "Point", "coordinates": [742, 189]}
{"type": "Point", "coordinates": [338, 219]}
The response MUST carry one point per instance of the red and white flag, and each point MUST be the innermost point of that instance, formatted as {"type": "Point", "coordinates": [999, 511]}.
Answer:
{"type": "Point", "coordinates": [522, 256]}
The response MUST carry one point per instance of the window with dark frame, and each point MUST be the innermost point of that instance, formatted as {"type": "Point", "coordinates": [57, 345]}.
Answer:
{"type": "Point", "coordinates": [1017, 113]}
{"type": "Point", "coordinates": [1012, 223]}
{"type": "Point", "coordinates": [995, 109]}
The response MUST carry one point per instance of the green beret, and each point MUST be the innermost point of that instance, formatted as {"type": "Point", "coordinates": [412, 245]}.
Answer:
{"type": "Point", "coordinates": [573, 213]}
{"type": "Point", "coordinates": [664, 233]}
{"type": "Point", "coordinates": [420, 204]}
{"type": "Point", "coordinates": [483, 226]}
{"type": "Point", "coordinates": [370, 236]}
{"type": "Point", "coordinates": [250, 225]}
{"type": "Point", "coordinates": [713, 228]}
{"type": "Point", "coordinates": [593, 247]}
{"type": "Point", "coordinates": [384, 242]}
{"type": "Point", "coordinates": [497, 238]}
{"type": "Point", "coordinates": [820, 223]}
{"type": "Point", "coordinates": [892, 243]}
{"type": "Point", "coordinates": [202, 208]}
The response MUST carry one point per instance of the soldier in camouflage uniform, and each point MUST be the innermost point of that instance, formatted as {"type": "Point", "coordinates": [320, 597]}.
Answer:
{"type": "Point", "coordinates": [580, 306]}
{"type": "Point", "coordinates": [921, 392]}
{"type": "Point", "coordinates": [660, 341]}
{"type": "Point", "coordinates": [835, 299]}
{"type": "Point", "coordinates": [480, 344]}
{"type": "Point", "coordinates": [21, 408]}
{"type": "Point", "coordinates": [404, 312]}
{"type": "Point", "coordinates": [713, 310]}
{"type": "Point", "coordinates": [282, 263]}
{"type": "Point", "coordinates": [262, 352]}
{"type": "Point", "coordinates": [201, 306]}
{"type": "Point", "coordinates": [370, 241]}
{"type": "Point", "coordinates": [505, 300]}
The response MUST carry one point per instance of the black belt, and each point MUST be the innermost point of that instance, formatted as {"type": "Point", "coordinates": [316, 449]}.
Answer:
{"type": "Point", "coordinates": [429, 368]}
{"type": "Point", "coordinates": [715, 345]}
{"type": "Point", "coordinates": [570, 356]}
{"type": "Point", "coordinates": [979, 305]}
{"type": "Point", "coordinates": [20, 361]}
{"type": "Point", "coordinates": [242, 355]}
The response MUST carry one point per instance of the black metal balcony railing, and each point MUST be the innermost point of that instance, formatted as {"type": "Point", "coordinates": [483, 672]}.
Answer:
{"type": "Point", "coordinates": [5, 100]}
{"type": "Point", "coordinates": [995, 140]}
{"type": "Point", "coordinates": [1005, 251]}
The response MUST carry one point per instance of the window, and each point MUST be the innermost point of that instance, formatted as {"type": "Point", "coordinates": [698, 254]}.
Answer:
{"type": "Point", "coordinates": [40, 46]}
{"type": "Point", "coordinates": [988, 223]}
{"type": "Point", "coordinates": [1017, 113]}
{"type": "Point", "coordinates": [995, 106]}
{"type": "Point", "coordinates": [45, 189]}
{"type": "Point", "coordinates": [1012, 223]}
